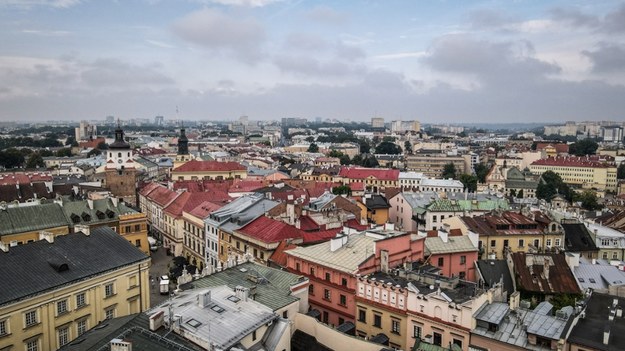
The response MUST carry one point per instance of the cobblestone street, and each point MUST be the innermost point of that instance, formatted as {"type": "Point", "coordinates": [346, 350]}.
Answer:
{"type": "Point", "coordinates": [160, 260]}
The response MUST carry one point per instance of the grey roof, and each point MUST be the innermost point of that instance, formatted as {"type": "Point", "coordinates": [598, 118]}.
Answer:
{"type": "Point", "coordinates": [420, 199]}
{"type": "Point", "coordinates": [132, 328]}
{"type": "Point", "coordinates": [321, 201]}
{"type": "Point", "coordinates": [102, 210]}
{"type": "Point", "coordinates": [588, 332]}
{"type": "Point", "coordinates": [31, 218]}
{"type": "Point", "coordinates": [598, 276]}
{"type": "Point", "coordinates": [223, 322]}
{"type": "Point", "coordinates": [241, 211]}
{"type": "Point", "coordinates": [85, 256]}
{"type": "Point", "coordinates": [515, 325]}
{"type": "Point", "coordinates": [346, 259]}
{"type": "Point", "coordinates": [272, 290]}
{"type": "Point", "coordinates": [436, 245]}
{"type": "Point", "coordinates": [493, 270]}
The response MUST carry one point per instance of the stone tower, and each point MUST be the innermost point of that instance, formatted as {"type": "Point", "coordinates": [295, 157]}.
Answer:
{"type": "Point", "coordinates": [120, 170]}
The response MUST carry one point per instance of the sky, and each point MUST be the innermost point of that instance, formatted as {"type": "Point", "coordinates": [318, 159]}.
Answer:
{"type": "Point", "coordinates": [437, 61]}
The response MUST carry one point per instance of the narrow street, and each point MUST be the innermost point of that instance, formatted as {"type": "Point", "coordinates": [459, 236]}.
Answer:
{"type": "Point", "coordinates": [160, 260]}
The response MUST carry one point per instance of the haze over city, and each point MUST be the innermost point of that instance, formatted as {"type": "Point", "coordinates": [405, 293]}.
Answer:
{"type": "Point", "coordinates": [437, 61]}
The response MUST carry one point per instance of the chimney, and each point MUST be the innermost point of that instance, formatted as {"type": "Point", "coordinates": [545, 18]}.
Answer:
{"type": "Point", "coordinates": [443, 235]}
{"type": "Point", "coordinates": [515, 300]}
{"type": "Point", "coordinates": [384, 261]}
{"type": "Point", "coordinates": [338, 241]}
{"type": "Point", "coordinates": [90, 204]}
{"type": "Point", "coordinates": [85, 229]}
{"type": "Point", "coordinates": [606, 335]}
{"type": "Point", "coordinates": [546, 267]}
{"type": "Point", "coordinates": [529, 260]}
{"type": "Point", "coordinates": [49, 237]}
{"type": "Point", "coordinates": [204, 299]}
{"type": "Point", "coordinates": [242, 292]}
{"type": "Point", "coordinates": [4, 247]}
{"type": "Point", "coordinates": [121, 345]}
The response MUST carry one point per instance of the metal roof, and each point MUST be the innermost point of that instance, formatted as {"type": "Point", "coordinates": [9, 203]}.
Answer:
{"type": "Point", "coordinates": [31, 218]}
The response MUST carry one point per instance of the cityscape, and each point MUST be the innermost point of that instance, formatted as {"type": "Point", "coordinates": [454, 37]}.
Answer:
{"type": "Point", "coordinates": [291, 176]}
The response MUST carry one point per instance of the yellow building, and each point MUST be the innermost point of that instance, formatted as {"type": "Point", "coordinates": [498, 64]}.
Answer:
{"type": "Point", "coordinates": [22, 224]}
{"type": "Point", "coordinates": [67, 285]}
{"type": "Point", "coordinates": [377, 208]}
{"type": "Point", "coordinates": [597, 172]}
{"type": "Point", "coordinates": [200, 170]}
{"type": "Point", "coordinates": [133, 226]}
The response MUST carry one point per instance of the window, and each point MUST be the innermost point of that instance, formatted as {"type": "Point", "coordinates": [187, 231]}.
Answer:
{"type": "Point", "coordinates": [311, 289]}
{"type": "Point", "coordinates": [312, 271]}
{"type": "Point", "coordinates": [604, 255]}
{"type": "Point", "coordinates": [63, 336]}
{"type": "Point", "coordinates": [558, 242]}
{"type": "Point", "coordinates": [362, 316]}
{"type": "Point", "coordinates": [32, 345]}
{"type": "Point", "coordinates": [462, 275]}
{"type": "Point", "coordinates": [615, 255]}
{"type": "Point", "coordinates": [109, 313]}
{"type": "Point", "coordinates": [137, 227]}
{"type": "Point", "coordinates": [344, 281]}
{"type": "Point", "coordinates": [81, 327]}
{"type": "Point", "coordinates": [326, 294]}
{"type": "Point", "coordinates": [434, 219]}
{"type": "Point", "coordinates": [285, 314]}
{"type": "Point", "coordinates": [297, 267]}
{"type": "Point", "coordinates": [458, 342]}
{"type": "Point", "coordinates": [441, 261]}
{"type": "Point", "coordinates": [108, 290]}
{"type": "Point", "coordinates": [4, 327]}
{"type": "Point", "coordinates": [328, 276]}
{"type": "Point", "coordinates": [395, 326]}
{"type": "Point", "coordinates": [463, 259]}
{"type": "Point", "coordinates": [61, 307]}
{"type": "Point", "coordinates": [416, 331]}
{"type": "Point", "coordinates": [31, 318]}
{"type": "Point", "coordinates": [254, 335]}
{"type": "Point", "coordinates": [341, 321]}
{"type": "Point", "coordinates": [521, 243]}
{"type": "Point", "coordinates": [536, 243]}
{"type": "Point", "coordinates": [437, 339]}
{"type": "Point", "coordinates": [493, 243]}
{"type": "Point", "coordinates": [343, 300]}
{"type": "Point", "coordinates": [548, 243]}
{"type": "Point", "coordinates": [127, 229]}
{"type": "Point", "coordinates": [138, 243]}
{"type": "Point", "coordinates": [377, 320]}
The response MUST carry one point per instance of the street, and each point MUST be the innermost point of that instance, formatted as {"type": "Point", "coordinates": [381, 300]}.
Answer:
{"type": "Point", "coordinates": [160, 260]}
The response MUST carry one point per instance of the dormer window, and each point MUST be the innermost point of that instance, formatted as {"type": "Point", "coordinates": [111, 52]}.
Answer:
{"type": "Point", "coordinates": [86, 217]}
{"type": "Point", "coordinates": [75, 218]}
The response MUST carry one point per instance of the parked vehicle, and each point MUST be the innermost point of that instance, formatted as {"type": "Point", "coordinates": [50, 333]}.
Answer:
{"type": "Point", "coordinates": [164, 285]}
{"type": "Point", "coordinates": [153, 244]}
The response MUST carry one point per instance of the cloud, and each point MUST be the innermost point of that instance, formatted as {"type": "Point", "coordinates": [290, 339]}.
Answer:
{"type": "Point", "coordinates": [309, 66]}
{"type": "Point", "coordinates": [511, 61]}
{"type": "Point", "coordinates": [243, 3]}
{"type": "Point", "coordinates": [113, 72]}
{"type": "Point", "coordinates": [401, 55]}
{"type": "Point", "coordinates": [326, 15]}
{"type": "Point", "coordinates": [612, 22]}
{"type": "Point", "coordinates": [222, 33]}
{"type": "Point", "coordinates": [607, 58]}
{"type": "Point", "coordinates": [159, 44]}
{"type": "Point", "coordinates": [489, 18]}
{"type": "Point", "coordinates": [47, 33]}
{"type": "Point", "coordinates": [36, 3]}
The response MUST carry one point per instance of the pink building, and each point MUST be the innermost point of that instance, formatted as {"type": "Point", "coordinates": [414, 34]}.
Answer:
{"type": "Point", "coordinates": [332, 267]}
{"type": "Point", "coordinates": [455, 254]}
{"type": "Point", "coordinates": [403, 206]}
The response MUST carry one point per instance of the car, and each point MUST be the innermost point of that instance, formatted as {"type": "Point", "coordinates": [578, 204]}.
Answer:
{"type": "Point", "coordinates": [164, 285]}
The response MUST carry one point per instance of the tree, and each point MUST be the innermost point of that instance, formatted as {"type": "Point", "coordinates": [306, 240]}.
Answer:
{"type": "Point", "coordinates": [364, 146]}
{"type": "Point", "coordinates": [94, 152]}
{"type": "Point", "coordinates": [550, 185]}
{"type": "Point", "coordinates": [583, 147]}
{"type": "Point", "coordinates": [65, 152]}
{"type": "Point", "coordinates": [335, 153]}
{"type": "Point", "coordinates": [313, 148]}
{"type": "Point", "coordinates": [481, 171]}
{"type": "Point", "coordinates": [344, 159]}
{"type": "Point", "coordinates": [357, 160]}
{"type": "Point", "coordinates": [620, 173]}
{"type": "Point", "coordinates": [469, 182]}
{"type": "Point", "coordinates": [342, 189]}
{"type": "Point", "coordinates": [588, 199]}
{"type": "Point", "coordinates": [513, 192]}
{"type": "Point", "coordinates": [449, 171]}
{"type": "Point", "coordinates": [71, 141]}
{"type": "Point", "coordinates": [370, 162]}
{"type": "Point", "coordinates": [520, 194]}
{"type": "Point", "coordinates": [103, 146]}
{"type": "Point", "coordinates": [388, 148]}
{"type": "Point", "coordinates": [11, 158]}
{"type": "Point", "coordinates": [408, 147]}
{"type": "Point", "coordinates": [35, 161]}
{"type": "Point", "coordinates": [310, 139]}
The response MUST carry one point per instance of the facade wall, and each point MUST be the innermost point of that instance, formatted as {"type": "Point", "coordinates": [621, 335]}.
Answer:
{"type": "Point", "coordinates": [400, 214]}
{"type": "Point", "coordinates": [216, 175]}
{"type": "Point", "coordinates": [332, 338]}
{"type": "Point", "coordinates": [457, 264]}
{"type": "Point", "coordinates": [131, 294]}
{"type": "Point", "coordinates": [134, 228]}
{"type": "Point", "coordinates": [493, 345]}
{"type": "Point", "coordinates": [602, 178]}
{"type": "Point", "coordinates": [25, 237]}
{"type": "Point", "coordinates": [194, 240]}
{"type": "Point", "coordinates": [495, 244]}
{"type": "Point", "coordinates": [122, 183]}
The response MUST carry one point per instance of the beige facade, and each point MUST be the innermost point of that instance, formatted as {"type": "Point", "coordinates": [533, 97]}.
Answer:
{"type": "Point", "coordinates": [432, 165]}
{"type": "Point", "coordinates": [601, 178]}
{"type": "Point", "coordinates": [48, 320]}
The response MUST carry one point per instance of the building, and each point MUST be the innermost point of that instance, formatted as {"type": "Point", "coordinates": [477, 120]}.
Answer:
{"type": "Point", "coordinates": [68, 284]}
{"type": "Point", "coordinates": [441, 185]}
{"type": "Point", "coordinates": [333, 266]}
{"type": "Point", "coordinates": [600, 275]}
{"type": "Point", "coordinates": [459, 204]}
{"type": "Point", "coordinates": [600, 326]}
{"type": "Point", "coordinates": [195, 241]}
{"type": "Point", "coordinates": [377, 122]}
{"type": "Point", "coordinates": [516, 232]}
{"type": "Point", "coordinates": [452, 253]}
{"type": "Point", "coordinates": [519, 185]}
{"type": "Point", "coordinates": [377, 208]}
{"type": "Point", "coordinates": [578, 239]}
{"type": "Point", "coordinates": [410, 181]}
{"type": "Point", "coordinates": [598, 172]}
{"type": "Point", "coordinates": [610, 242]}
{"type": "Point", "coordinates": [204, 170]}
{"type": "Point", "coordinates": [374, 179]}
{"type": "Point", "coordinates": [406, 207]}
{"type": "Point", "coordinates": [22, 224]}
{"type": "Point", "coordinates": [85, 131]}
{"type": "Point", "coordinates": [120, 169]}
{"type": "Point", "coordinates": [612, 134]}
{"type": "Point", "coordinates": [542, 276]}
{"type": "Point", "coordinates": [405, 126]}
{"type": "Point", "coordinates": [432, 164]}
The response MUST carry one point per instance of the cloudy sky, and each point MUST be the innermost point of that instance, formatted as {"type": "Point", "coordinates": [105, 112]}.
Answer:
{"type": "Point", "coordinates": [436, 61]}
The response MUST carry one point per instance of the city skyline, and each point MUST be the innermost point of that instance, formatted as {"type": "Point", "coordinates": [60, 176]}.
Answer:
{"type": "Point", "coordinates": [443, 61]}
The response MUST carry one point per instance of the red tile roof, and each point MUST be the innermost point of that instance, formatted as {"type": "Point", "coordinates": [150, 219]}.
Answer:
{"type": "Point", "coordinates": [307, 224]}
{"type": "Point", "coordinates": [561, 148]}
{"type": "Point", "coordinates": [210, 166]}
{"type": "Point", "coordinates": [352, 223]}
{"type": "Point", "coordinates": [148, 188]}
{"type": "Point", "coordinates": [162, 196]}
{"type": "Point", "coordinates": [24, 178]}
{"type": "Point", "coordinates": [204, 209]}
{"type": "Point", "coordinates": [246, 186]}
{"type": "Point", "coordinates": [573, 161]}
{"type": "Point", "coordinates": [187, 202]}
{"type": "Point", "coordinates": [357, 186]}
{"type": "Point", "coordinates": [560, 279]}
{"type": "Point", "coordinates": [279, 256]}
{"type": "Point", "coordinates": [320, 236]}
{"type": "Point", "coordinates": [269, 230]}
{"type": "Point", "coordinates": [363, 173]}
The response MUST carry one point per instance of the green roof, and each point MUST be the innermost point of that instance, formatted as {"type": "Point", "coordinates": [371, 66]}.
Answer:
{"type": "Point", "coordinates": [103, 211]}
{"type": "Point", "coordinates": [14, 220]}
{"type": "Point", "coordinates": [446, 205]}
{"type": "Point", "coordinates": [274, 291]}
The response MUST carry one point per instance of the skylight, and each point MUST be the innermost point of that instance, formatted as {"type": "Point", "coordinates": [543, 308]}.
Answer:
{"type": "Point", "coordinates": [234, 298]}
{"type": "Point", "coordinates": [217, 309]}
{"type": "Point", "coordinates": [194, 323]}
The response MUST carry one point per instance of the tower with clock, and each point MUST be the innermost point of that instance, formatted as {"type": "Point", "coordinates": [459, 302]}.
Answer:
{"type": "Point", "coordinates": [120, 170]}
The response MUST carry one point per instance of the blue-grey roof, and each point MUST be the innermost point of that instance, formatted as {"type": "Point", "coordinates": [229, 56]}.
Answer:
{"type": "Point", "coordinates": [31, 269]}
{"type": "Point", "coordinates": [37, 217]}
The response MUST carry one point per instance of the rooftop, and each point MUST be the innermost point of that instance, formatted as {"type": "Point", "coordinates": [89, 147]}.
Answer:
{"type": "Point", "coordinates": [31, 218]}
{"type": "Point", "coordinates": [532, 276]}
{"type": "Point", "coordinates": [209, 166]}
{"type": "Point", "coordinates": [589, 331]}
{"type": "Point", "coordinates": [594, 161]}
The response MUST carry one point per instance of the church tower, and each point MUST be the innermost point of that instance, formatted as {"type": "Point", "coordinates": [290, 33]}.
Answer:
{"type": "Point", "coordinates": [120, 170]}
{"type": "Point", "coordinates": [183, 149]}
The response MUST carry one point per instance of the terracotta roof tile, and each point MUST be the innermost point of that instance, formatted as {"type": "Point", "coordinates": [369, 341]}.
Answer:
{"type": "Point", "coordinates": [363, 173]}
{"type": "Point", "coordinates": [209, 166]}
{"type": "Point", "coordinates": [269, 230]}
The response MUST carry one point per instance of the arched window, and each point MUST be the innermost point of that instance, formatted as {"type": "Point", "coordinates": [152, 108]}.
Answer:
{"type": "Point", "coordinates": [119, 154]}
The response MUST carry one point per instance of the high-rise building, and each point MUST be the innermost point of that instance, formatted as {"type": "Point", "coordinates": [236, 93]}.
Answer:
{"type": "Point", "coordinates": [377, 122]}
{"type": "Point", "coordinates": [159, 120]}
{"type": "Point", "coordinates": [405, 126]}
{"type": "Point", "coordinates": [85, 131]}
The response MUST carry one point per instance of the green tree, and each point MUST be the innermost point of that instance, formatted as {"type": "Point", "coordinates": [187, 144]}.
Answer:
{"type": "Point", "coordinates": [481, 171]}
{"type": "Point", "coordinates": [335, 153]}
{"type": "Point", "coordinates": [449, 171]}
{"type": "Point", "coordinates": [550, 185]}
{"type": "Point", "coordinates": [310, 139]}
{"type": "Point", "coordinates": [583, 147]}
{"type": "Point", "coordinates": [520, 194]}
{"type": "Point", "coordinates": [35, 161]}
{"type": "Point", "coordinates": [469, 182]}
{"type": "Point", "coordinates": [370, 161]}
{"type": "Point", "coordinates": [620, 173]}
{"type": "Point", "coordinates": [11, 158]}
{"type": "Point", "coordinates": [71, 141]}
{"type": "Point", "coordinates": [408, 147]}
{"type": "Point", "coordinates": [344, 159]}
{"type": "Point", "coordinates": [365, 147]}
{"type": "Point", "coordinates": [64, 152]}
{"type": "Point", "coordinates": [103, 146]}
{"type": "Point", "coordinates": [513, 192]}
{"type": "Point", "coordinates": [313, 148]}
{"type": "Point", "coordinates": [588, 199]}
{"type": "Point", "coordinates": [46, 153]}
{"type": "Point", "coordinates": [387, 147]}
{"type": "Point", "coordinates": [94, 152]}
{"type": "Point", "coordinates": [357, 160]}
{"type": "Point", "coordinates": [342, 189]}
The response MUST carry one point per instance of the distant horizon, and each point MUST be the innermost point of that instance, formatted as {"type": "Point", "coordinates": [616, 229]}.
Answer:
{"type": "Point", "coordinates": [434, 61]}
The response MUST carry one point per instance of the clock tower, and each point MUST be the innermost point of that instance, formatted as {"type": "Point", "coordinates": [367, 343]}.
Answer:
{"type": "Point", "coordinates": [120, 170]}
{"type": "Point", "coordinates": [183, 150]}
